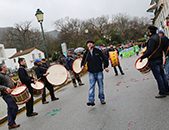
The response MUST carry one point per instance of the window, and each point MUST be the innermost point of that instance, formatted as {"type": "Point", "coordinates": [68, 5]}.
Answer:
{"type": "Point", "coordinates": [40, 57]}
{"type": "Point", "coordinates": [33, 56]}
{"type": "Point", "coordinates": [14, 60]}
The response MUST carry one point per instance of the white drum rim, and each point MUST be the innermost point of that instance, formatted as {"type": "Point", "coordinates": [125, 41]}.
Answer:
{"type": "Point", "coordinates": [21, 91]}
{"type": "Point", "coordinates": [66, 74]}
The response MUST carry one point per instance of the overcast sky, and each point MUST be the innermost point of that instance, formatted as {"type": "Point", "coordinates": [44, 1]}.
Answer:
{"type": "Point", "coordinates": [16, 11]}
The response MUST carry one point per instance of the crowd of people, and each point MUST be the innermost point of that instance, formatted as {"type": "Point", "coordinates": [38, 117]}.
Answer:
{"type": "Point", "coordinates": [97, 60]}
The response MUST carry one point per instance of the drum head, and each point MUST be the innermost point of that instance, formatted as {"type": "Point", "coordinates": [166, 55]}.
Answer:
{"type": "Point", "coordinates": [38, 85]}
{"type": "Point", "coordinates": [76, 65]}
{"type": "Point", "coordinates": [139, 65]}
{"type": "Point", "coordinates": [57, 74]}
{"type": "Point", "coordinates": [18, 90]}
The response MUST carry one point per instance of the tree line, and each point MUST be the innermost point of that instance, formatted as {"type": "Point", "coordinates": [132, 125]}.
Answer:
{"type": "Point", "coordinates": [119, 28]}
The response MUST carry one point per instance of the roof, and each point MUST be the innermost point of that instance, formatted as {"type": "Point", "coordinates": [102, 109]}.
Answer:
{"type": "Point", "coordinates": [24, 52]}
{"type": "Point", "coordinates": [152, 8]}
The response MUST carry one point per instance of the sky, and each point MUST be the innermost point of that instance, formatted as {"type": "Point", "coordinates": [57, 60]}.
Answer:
{"type": "Point", "coordinates": [17, 11]}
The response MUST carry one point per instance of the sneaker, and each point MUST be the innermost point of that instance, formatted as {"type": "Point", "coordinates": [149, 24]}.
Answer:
{"type": "Point", "coordinates": [160, 96]}
{"type": "Point", "coordinates": [103, 102]}
{"type": "Point", "coordinates": [90, 103]}
{"type": "Point", "coordinates": [116, 74]}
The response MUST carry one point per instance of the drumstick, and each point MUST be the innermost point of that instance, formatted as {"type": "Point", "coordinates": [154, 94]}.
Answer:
{"type": "Point", "coordinates": [5, 91]}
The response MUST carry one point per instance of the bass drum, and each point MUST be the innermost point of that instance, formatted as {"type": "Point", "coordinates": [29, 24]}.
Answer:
{"type": "Point", "coordinates": [114, 59]}
{"type": "Point", "coordinates": [145, 48]}
{"type": "Point", "coordinates": [76, 66]}
{"type": "Point", "coordinates": [57, 74]}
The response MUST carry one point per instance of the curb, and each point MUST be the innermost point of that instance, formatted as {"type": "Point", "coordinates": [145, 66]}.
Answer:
{"type": "Point", "coordinates": [5, 118]}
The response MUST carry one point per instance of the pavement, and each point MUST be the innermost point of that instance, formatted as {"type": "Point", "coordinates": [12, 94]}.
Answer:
{"type": "Point", "coordinates": [130, 105]}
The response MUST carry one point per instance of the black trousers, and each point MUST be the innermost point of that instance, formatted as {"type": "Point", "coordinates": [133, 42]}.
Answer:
{"type": "Point", "coordinates": [29, 104]}
{"type": "Point", "coordinates": [51, 91]}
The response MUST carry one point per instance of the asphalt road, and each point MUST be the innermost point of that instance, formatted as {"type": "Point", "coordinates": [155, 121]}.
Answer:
{"type": "Point", "coordinates": [131, 105]}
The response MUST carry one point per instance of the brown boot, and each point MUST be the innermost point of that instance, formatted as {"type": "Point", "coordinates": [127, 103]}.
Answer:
{"type": "Point", "coordinates": [80, 83]}
{"type": "Point", "coordinates": [74, 85]}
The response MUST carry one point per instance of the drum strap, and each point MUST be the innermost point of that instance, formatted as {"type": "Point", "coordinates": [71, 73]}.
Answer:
{"type": "Point", "coordinates": [86, 57]}
{"type": "Point", "coordinates": [156, 48]}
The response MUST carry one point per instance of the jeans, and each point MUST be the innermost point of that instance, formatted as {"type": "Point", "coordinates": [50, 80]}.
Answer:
{"type": "Point", "coordinates": [167, 67]}
{"type": "Point", "coordinates": [158, 72]}
{"type": "Point", "coordinates": [93, 77]}
{"type": "Point", "coordinates": [12, 109]}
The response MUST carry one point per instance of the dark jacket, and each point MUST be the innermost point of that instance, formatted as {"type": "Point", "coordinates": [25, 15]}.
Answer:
{"type": "Point", "coordinates": [24, 78]}
{"type": "Point", "coordinates": [152, 45]}
{"type": "Point", "coordinates": [69, 61]}
{"type": "Point", "coordinates": [94, 62]}
{"type": "Point", "coordinates": [165, 44]}
{"type": "Point", "coordinates": [39, 72]}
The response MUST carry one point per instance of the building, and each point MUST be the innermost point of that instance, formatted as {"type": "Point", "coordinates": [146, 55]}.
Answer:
{"type": "Point", "coordinates": [2, 54]}
{"type": "Point", "coordinates": [160, 10]}
{"type": "Point", "coordinates": [30, 55]}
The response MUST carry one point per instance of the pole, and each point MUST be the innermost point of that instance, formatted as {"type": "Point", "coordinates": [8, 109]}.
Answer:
{"type": "Point", "coordinates": [44, 43]}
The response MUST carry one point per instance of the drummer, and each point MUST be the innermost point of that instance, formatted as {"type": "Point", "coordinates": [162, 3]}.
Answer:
{"type": "Point", "coordinates": [120, 68]}
{"type": "Point", "coordinates": [69, 60]}
{"type": "Point", "coordinates": [25, 79]}
{"type": "Point", "coordinates": [6, 84]}
{"type": "Point", "coordinates": [41, 73]}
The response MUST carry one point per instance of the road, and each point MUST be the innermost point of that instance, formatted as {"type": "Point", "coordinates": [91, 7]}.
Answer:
{"type": "Point", "coordinates": [130, 105]}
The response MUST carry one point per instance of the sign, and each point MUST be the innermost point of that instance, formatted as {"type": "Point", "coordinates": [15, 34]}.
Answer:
{"type": "Point", "coordinates": [64, 48]}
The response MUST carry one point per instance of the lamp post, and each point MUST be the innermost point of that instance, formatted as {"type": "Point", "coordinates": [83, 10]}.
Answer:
{"type": "Point", "coordinates": [39, 16]}
{"type": "Point", "coordinates": [104, 36]}
{"type": "Point", "coordinates": [87, 31]}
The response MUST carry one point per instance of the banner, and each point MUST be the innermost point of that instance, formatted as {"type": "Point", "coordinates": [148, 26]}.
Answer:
{"type": "Point", "coordinates": [128, 52]}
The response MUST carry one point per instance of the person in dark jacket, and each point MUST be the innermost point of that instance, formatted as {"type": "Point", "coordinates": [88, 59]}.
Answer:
{"type": "Point", "coordinates": [95, 60]}
{"type": "Point", "coordinates": [6, 86]}
{"type": "Point", "coordinates": [25, 79]}
{"type": "Point", "coordinates": [165, 45]}
{"type": "Point", "coordinates": [44, 64]}
{"type": "Point", "coordinates": [41, 73]}
{"type": "Point", "coordinates": [120, 68]}
{"type": "Point", "coordinates": [69, 61]}
{"type": "Point", "coordinates": [154, 55]}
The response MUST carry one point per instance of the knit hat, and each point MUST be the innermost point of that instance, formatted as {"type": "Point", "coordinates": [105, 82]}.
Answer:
{"type": "Point", "coordinates": [37, 60]}
{"type": "Point", "coordinates": [160, 31]}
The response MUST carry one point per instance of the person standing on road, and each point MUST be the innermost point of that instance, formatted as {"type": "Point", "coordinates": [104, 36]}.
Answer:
{"type": "Point", "coordinates": [41, 73]}
{"type": "Point", "coordinates": [95, 59]}
{"type": "Point", "coordinates": [74, 76]}
{"type": "Point", "coordinates": [6, 84]}
{"type": "Point", "coordinates": [25, 79]}
{"type": "Point", "coordinates": [154, 55]}
{"type": "Point", "coordinates": [120, 68]}
{"type": "Point", "coordinates": [165, 45]}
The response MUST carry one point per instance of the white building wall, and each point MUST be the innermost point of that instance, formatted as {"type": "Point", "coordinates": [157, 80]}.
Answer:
{"type": "Point", "coordinates": [9, 62]}
{"type": "Point", "coordinates": [2, 53]}
{"type": "Point", "coordinates": [29, 58]}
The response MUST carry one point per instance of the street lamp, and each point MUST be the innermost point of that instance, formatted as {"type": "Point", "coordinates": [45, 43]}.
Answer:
{"type": "Point", "coordinates": [104, 36]}
{"type": "Point", "coordinates": [39, 16]}
{"type": "Point", "coordinates": [87, 31]}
